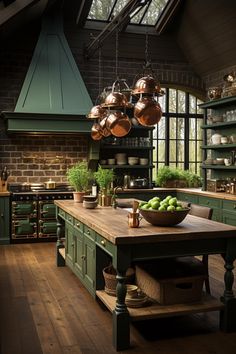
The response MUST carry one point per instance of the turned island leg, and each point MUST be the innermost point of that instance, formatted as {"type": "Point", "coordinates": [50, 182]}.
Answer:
{"type": "Point", "coordinates": [121, 330]}
{"type": "Point", "coordinates": [228, 314]}
{"type": "Point", "coordinates": [60, 243]}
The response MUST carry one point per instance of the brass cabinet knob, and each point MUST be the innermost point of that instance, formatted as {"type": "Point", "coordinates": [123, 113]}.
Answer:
{"type": "Point", "coordinates": [234, 206]}
{"type": "Point", "coordinates": [83, 257]}
{"type": "Point", "coordinates": [2, 215]}
{"type": "Point", "coordinates": [103, 242]}
{"type": "Point", "coordinates": [88, 232]}
{"type": "Point", "coordinates": [78, 224]}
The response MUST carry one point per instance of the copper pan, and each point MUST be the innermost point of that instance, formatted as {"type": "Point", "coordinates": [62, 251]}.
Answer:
{"type": "Point", "coordinates": [147, 111]}
{"type": "Point", "coordinates": [146, 85]}
{"type": "Point", "coordinates": [119, 124]}
{"type": "Point", "coordinates": [115, 99]}
{"type": "Point", "coordinates": [96, 132]}
{"type": "Point", "coordinates": [104, 127]}
{"type": "Point", "coordinates": [97, 112]}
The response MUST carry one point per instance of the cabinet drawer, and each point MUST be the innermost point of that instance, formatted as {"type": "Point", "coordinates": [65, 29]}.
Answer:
{"type": "Point", "coordinates": [105, 244]}
{"type": "Point", "coordinates": [188, 198]}
{"type": "Point", "coordinates": [69, 219]}
{"type": "Point", "coordinates": [210, 202]}
{"type": "Point", "coordinates": [78, 225]}
{"type": "Point", "coordinates": [229, 205]}
{"type": "Point", "coordinates": [89, 232]}
{"type": "Point", "coordinates": [61, 213]}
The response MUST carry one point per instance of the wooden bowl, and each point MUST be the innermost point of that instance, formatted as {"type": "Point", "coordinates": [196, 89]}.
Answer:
{"type": "Point", "coordinates": [164, 218]}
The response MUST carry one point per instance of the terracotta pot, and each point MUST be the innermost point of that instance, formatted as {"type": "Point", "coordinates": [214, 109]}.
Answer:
{"type": "Point", "coordinates": [78, 197]}
{"type": "Point", "coordinates": [147, 111]}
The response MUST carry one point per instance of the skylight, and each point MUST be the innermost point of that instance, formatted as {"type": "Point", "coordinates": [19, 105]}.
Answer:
{"type": "Point", "coordinates": [105, 10]}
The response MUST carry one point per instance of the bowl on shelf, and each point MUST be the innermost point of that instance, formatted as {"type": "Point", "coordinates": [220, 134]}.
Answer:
{"type": "Point", "coordinates": [164, 218]}
{"type": "Point", "coordinates": [133, 160]}
{"type": "Point", "coordinates": [143, 161]}
{"type": "Point", "coordinates": [111, 161]}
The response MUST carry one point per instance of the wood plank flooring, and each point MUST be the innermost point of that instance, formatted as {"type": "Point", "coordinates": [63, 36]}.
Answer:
{"type": "Point", "coordinates": [45, 309]}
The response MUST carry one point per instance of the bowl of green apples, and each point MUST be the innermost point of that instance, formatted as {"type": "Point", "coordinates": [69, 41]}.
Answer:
{"type": "Point", "coordinates": [166, 212]}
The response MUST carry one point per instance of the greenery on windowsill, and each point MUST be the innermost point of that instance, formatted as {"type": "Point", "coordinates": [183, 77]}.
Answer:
{"type": "Point", "coordinates": [175, 177]}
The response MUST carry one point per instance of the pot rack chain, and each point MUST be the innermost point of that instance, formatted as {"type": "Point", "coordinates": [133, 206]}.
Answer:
{"type": "Point", "coordinates": [100, 70]}
{"type": "Point", "coordinates": [117, 54]}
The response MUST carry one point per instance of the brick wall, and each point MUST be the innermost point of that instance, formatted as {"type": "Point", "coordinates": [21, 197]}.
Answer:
{"type": "Point", "coordinates": [216, 78]}
{"type": "Point", "coordinates": [36, 159]}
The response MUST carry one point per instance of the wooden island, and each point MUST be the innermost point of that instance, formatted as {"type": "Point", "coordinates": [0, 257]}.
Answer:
{"type": "Point", "coordinates": [95, 237]}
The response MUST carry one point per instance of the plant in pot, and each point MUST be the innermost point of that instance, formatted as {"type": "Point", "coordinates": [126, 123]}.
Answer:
{"type": "Point", "coordinates": [79, 177]}
{"type": "Point", "coordinates": [104, 178]}
{"type": "Point", "coordinates": [170, 177]}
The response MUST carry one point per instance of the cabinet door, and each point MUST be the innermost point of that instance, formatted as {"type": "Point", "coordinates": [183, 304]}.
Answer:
{"type": "Point", "coordinates": [89, 264]}
{"type": "Point", "coordinates": [229, 218]}
{"type": "Point", "coordinates": [79, 254]}
{"type": "Point", "coordinates": [213, 203]}
{"type": "Point", "coordinates": [185, 197]}
{"type": "Point", "coordinates": [4, 220]}
{"type": "Point", "coordinates": [69, 234]}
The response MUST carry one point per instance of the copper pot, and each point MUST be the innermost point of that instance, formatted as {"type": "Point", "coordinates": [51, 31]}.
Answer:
{"type": "Point", "coordinates": [97, 112]}
{"type": "Point", "coordinates": [147, 111]}
{"type": "Point", "coordinates": [104, 127]}
{"type": "Point", "coordinates": [96, 132]}
{"type": "Point", "coordinates": [146, 85]}
{"type": "Point", "coordinates": [118, 123]}
{"type": "Point", "coordinates": [115, 99]}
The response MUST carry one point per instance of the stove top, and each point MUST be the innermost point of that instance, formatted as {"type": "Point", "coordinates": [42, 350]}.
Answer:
{"type": "Point", "coordinates": [38, 188]}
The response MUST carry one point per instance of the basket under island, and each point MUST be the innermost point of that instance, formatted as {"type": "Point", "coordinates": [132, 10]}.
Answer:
{"type": "Point", "coordinates": [93, 237]}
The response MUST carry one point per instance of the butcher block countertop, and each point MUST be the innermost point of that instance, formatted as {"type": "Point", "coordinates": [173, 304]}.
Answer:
{"type": "Point", "coordinates": [112, 224]}
{"type": "Point", "coordinates": [4, 194]}
{"type": "Point", "coordinates": [196, 191]}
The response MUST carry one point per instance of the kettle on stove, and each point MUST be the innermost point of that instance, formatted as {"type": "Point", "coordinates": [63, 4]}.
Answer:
{"type": "Point", "coordinates": [139, 183]}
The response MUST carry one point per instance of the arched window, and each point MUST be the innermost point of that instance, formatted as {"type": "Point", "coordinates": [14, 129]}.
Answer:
{"type": "Point", "coordinates": [178, 136]}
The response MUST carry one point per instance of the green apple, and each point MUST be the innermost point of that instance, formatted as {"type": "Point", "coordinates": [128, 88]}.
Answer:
{"type": "Point", "coordinates": [145, 206]}
{"type": "Point", "coordinates": [171, 208]}
{"type": "Point", "coordinates": [168, 197]}
{"type": "Point", "coordinates": [155, 204]}
{"type": "Point", "coordinates": [141, 204]}
{"type": "Point", "coordinates": [173, 201]}
{"type": "Point", "coordinates": [178, 208]}
{"type": "Point", "coordinates": [162, 208]}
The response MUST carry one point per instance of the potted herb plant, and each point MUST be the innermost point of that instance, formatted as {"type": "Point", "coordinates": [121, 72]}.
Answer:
{"type": "Point", "coordinates": [79, 177]}
{"type": "Point", "coordinates": [104, 178]}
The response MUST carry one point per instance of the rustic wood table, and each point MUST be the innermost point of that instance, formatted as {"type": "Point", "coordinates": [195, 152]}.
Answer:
{"type": "Point", "coordinates": [194, 236]}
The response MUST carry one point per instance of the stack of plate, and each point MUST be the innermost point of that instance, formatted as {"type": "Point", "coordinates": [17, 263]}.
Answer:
{"type": "Point", "coordinates": [121, 158]}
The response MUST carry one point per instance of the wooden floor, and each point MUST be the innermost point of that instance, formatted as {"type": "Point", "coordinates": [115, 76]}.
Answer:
{"type": "Point", "coordinates": [45, 309]}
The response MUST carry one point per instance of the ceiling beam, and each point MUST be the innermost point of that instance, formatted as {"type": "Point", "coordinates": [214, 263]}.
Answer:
{"type": "Point", "coordinates": [167, 15]}
{"type": "Point", "coordinates": [119, 22]}
{"type": "Point", "coordinates": [15, 8]}
{"type": "Point", "coordinates": [83, 12]}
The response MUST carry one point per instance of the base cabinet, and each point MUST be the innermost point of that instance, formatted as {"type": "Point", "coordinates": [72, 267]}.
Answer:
{"type": "Point", "coordinates": [4, 220]}
{"type": "Point", "coordinates": [80, 251]}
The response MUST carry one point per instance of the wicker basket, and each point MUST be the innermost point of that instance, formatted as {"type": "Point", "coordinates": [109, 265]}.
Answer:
{"type": "Point", "coordinates": [109, 274]}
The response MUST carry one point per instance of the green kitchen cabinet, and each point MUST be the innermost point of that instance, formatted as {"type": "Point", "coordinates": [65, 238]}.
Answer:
{"type": "Point", "coordinates": [186, 197]}
{"type": "Point", "coordinates": [80, 250]}
{"type": "Point", "coordinates": [229, 212]}
{"type": "Point", "coordinates": [4, 220]}
{"type": "Point", "coordinates": [213, 203]}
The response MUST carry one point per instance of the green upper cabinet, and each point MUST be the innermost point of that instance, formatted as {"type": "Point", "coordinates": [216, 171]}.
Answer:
{"type": "Point", "coordinates": [4, 220]}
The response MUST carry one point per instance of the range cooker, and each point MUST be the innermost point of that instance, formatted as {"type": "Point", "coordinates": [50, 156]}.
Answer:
{"type": "Point", "coordinates": [33, 213]}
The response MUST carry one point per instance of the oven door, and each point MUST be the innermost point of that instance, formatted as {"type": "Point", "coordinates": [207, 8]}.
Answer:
{"type": "Point", "coordinates": [47, 228]}
{"type": "Point", "coordinates": [22, 208]}
{"type": "Point", "coordinates": [47, 210]}
{"type": "Point", "coordinates": [24, 228]}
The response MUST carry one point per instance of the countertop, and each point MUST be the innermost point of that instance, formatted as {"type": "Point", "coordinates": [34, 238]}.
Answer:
{"type": "Point", "coordinates": [112, 224]}
{"type": "Point", "coordinates": [4, 194]}
{"type": "Point", "coordinates": [196, 191]}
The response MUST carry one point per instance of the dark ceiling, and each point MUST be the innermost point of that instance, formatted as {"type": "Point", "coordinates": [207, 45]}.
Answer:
{"type": "Point", "coordinates": [204, 29]}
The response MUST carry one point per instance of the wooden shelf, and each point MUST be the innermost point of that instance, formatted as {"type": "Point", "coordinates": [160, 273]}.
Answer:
{"type": "Point", "coordinates": [208, 303]}
{"type": "Point", "coordinates": [219, 125]}
{"type": "Point", "coordinates": [219, 167]}
{"type": "Point", "coordinates": [126, 147]}
{"type": "Point", "coordinates": [127, 166]}
{"type": "Point", "coordinates": [225, 101]}
{"type": "Point", "coordinates": [221, 146]}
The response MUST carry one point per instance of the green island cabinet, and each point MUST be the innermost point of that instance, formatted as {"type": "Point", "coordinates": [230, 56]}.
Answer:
{"type": "Point", "coordinates": [226, 108]}
{"type": "Point", "coordinates": [4, 220]}
{"type": "Point", "coordinates": [80, 250]}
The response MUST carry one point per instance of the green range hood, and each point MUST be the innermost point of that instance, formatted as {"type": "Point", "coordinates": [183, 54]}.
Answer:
{"type": "Point", "coordinates": [53, 98]}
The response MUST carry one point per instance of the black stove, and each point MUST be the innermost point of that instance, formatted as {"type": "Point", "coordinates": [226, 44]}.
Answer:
{"type": "Point", "coordinates": [37, 191]}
